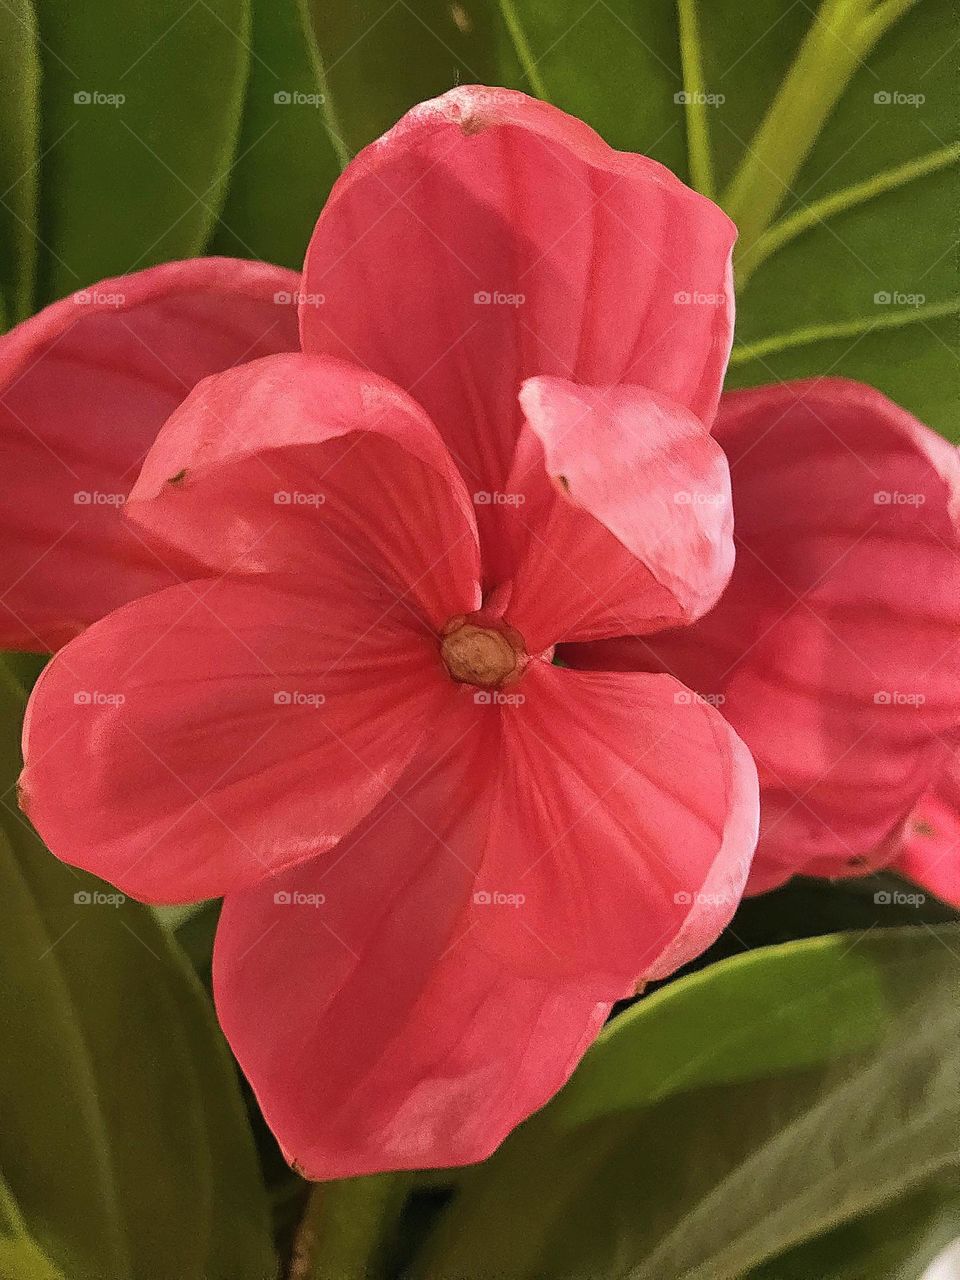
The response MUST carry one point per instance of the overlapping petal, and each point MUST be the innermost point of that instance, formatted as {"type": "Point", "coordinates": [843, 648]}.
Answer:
{"type": "Point", "coordinates": [489, 238]}
{"type": "Point", "coordinates": [621, 820]}
{"type": "Point", "coordinates": [930, 841]}
{"type": "Point", "coordinates": [627, 523]}
{"type": "Point", "coordinates": [288, 462]}
{"type": "Point", "coordinates": [208, 735]}
{"type": "Point", "coordinates": [834, 650]}
{"type": "Point", "coordinates": [374, 1032]}
{"type": "Point", "coordinates": [84, 388]}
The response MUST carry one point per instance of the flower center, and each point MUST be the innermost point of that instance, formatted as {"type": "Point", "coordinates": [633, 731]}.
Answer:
{"type": "Point", "coordinates": [485, 656]}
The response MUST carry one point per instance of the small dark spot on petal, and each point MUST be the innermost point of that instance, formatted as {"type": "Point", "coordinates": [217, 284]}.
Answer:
{"type": "Point", "coordinates": [472, 124]}
{"type": "Point", "coordinates": [922, 828]}
{"type": "Point", "coordinates": [178, 478]}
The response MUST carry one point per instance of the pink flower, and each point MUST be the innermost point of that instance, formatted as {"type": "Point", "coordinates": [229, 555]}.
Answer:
{"type": "Point", "coordinates": [443, 856]}
{"type": "Point", "coordinates": [835, 651]}
{"type": "Point", "coordinates": [84, 388]}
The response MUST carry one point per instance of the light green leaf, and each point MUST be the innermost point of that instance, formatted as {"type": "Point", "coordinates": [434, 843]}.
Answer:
{"type": "Point", "coordinates": [141, 112]}
{"type": "Point", "coordinates": [19, 156]}
{"type": "Point", "coordinates": [730, 1117]}
{"type": "Point", "coordinates": [846, 196]}
{"type": "Point", "coordinates": [125, 1148]}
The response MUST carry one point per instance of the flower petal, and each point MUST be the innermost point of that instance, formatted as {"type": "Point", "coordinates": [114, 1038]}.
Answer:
{"type": "Point", "coordinates": [374, 1033]}
{"type": "Point", "coordinates": [834, 650]}
{"type": "Point", "coordinates": [488, 238]}
{"type": "Point", "coordinates": [207, 736]}
{"type": "Point", "coordinates": [930, 847]}
{"type": "Point", "coordinates": [636, 531]}
{"type": "Point", "coordinates": [84, 388]}
{"type": "Point", "coordinates": [621, 820]}
{"type": "Point", "coordinates": [284, 462]}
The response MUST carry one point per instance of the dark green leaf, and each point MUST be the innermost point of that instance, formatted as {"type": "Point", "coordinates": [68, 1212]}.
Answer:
{"type": "Point", "coordinates": [898, 1240]}
{"type": "Point", "coordinates": [19, 156]}
{"type": "Point", "coordinates": [124, 1148]}
{"type": "Point", "coordinates": [730, 1117]}
{"type": "Point", "coordinates": [132, 182]}
{"type": "Point", "coordinates": [287, 160]}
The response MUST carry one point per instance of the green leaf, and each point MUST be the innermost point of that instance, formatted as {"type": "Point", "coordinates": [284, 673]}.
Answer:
{"type": "Point", "coordinates": [19, 156]}
{"type": "Point", "coordinates": [133, 182]}
{"type": "Point", "coordinates": [20, 1257]}
{"type": "Point", "coordinates": [846, 205]}
{"type": "Point", "coordinates": [730, 1117]}
{"type": "Point", "coordinates": [900, 1239]}
{"type": "Point", "coordinates": [125, 1148]}
{"type": "Point", "coordinates": [386, 55]}
{"type": "Point", "coordinates": [615, 65]}
{"type": "Point", "coordinates": [288, 152]}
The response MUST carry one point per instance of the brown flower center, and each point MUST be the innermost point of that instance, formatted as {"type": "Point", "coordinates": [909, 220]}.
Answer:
{"type": "Point", "coordinates": [479, 655]}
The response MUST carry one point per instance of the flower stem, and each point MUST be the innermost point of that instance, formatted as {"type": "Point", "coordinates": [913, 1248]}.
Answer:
{"type": "Point", "coordinates": [522, 49]}
{"type": "Point", "coordinates": [840, 36]}
{"type": "Point", "coordinates": [812, 215]}
{"type": "Point", "coordinates": [695, 108]}
{"type": "Point", "coordinates": [346, 1228]}
{"type": "Point", "coordinates": [895, 319]}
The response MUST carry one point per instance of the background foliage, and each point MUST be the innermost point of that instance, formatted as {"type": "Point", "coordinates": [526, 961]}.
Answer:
{"type": "Point", "coordinates": [790, 1109]}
